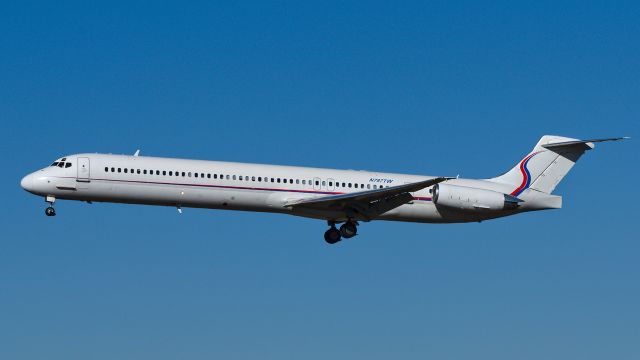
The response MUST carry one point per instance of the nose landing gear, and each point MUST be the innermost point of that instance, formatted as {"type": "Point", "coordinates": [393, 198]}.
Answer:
{"type": "Point", "coordinates": [50, 211]}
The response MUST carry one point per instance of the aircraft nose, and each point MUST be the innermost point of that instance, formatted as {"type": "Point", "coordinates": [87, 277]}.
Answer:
{"type": "Point", "coordinates": [27, 182]}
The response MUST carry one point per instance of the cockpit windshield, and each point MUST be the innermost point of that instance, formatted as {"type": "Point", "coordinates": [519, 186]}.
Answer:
{"type": "Point", "coordinates": [62, 163]}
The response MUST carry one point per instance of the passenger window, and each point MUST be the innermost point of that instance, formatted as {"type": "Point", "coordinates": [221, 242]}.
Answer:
{"type": "Point", "coordinates": [330, 183]}
{"type": "Point", "coordinates": [278, 180]}
{"type": "Point", "coordinates": [189, 174]}
{"type": "Point", "coordinates": [304, 182]}
{"type": "Point", "coordinates": [138, 171]}
{"type": "Point", "coordinates": [344, 185]}
{"type": "Point", "coordinates": [273, 180]}
{"type": "Point", "coordinates": [227, 177]}
{"type": "Point", "coordinates": [170, 173]}
{"type": "Point", "coordinates": [126, 170]}
{"type": "Point", "coordinates": [196, 174]}
{"type": "Point", "coordinates": [119, 170]}
{"type": "Point", "coordinates": [259, 178]}
{"type": "Point", "coordinates": [349, 184]}
{"type": "Point", "coordinates": [184, 174]}
{"type": "Point", "coordinates": [290, 181]}
{"type": "Point", "coordinates": [253, 178]}
{"type": "Point", "coordinates": [297, 181]}
{"type": "Point", "coordinates": [106, 169]}
{"type": "Point", "coordinates": [240, 177]}
{"type": "Point", "coordinates": [368, 186]}
{"type": "Point", "coordinates": [208, 176]}
{"type": "Point", "coordinates": [317, 182]}
{"type": "Point", "coordinates": [144, 171]}
{"type": "Point", "coordinates": [323, 183]}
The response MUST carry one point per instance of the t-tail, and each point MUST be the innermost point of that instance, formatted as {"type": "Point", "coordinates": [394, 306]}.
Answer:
{"type": "Point", "coordinates": [536, 176]}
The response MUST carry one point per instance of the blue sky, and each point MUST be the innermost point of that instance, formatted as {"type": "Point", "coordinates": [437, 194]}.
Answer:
{"type": "Point", "coordinates": [436, 88]}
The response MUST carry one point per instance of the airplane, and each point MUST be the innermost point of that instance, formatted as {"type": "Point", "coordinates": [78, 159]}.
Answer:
{"type": "Point", "coordinates": [346, 197]}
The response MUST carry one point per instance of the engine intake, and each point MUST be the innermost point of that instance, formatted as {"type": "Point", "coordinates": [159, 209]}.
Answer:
{"type": "Point", "coordinates": [472, 199]}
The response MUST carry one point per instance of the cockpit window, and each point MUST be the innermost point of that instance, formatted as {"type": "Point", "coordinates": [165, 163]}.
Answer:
{"type": "Point", "coordinates": [62, 163]}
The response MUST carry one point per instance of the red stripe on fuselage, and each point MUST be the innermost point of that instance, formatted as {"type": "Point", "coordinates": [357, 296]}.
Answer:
{"type": "Point", "coordinates": [228, 187]}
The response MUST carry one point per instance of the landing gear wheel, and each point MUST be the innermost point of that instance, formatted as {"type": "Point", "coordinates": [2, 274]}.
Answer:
{"type": "Point", "coordinates": [50, 211]}
{"type": "Point", "coordinates": [348, 230]}
{"type": "Point", "coordinates": [332, 235]}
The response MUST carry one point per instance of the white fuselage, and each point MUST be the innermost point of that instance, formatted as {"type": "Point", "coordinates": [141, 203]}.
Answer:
{"type": "Point", "coordinates": [236, 186]}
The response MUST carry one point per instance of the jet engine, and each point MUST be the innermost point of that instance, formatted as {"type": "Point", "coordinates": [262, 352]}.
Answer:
{"type": "Point", "coordinates": [472, 199]}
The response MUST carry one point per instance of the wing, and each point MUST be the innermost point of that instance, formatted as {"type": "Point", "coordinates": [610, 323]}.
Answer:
{"type": "Point", "coordinates": [368, 203]}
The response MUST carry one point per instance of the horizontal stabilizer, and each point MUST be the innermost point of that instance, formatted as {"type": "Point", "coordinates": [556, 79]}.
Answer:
{"type": "Point", "coordinates": [579, 142]}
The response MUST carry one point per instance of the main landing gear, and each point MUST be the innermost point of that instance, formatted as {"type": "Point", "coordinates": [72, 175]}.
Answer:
{"type": "Point", "coordinates": [347, 230]}
{"type": "Point", "coordinates": [50, 211]}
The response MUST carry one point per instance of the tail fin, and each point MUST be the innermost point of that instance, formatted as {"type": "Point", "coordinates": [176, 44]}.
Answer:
{"type": "Point", "coordinates": [548, 162]}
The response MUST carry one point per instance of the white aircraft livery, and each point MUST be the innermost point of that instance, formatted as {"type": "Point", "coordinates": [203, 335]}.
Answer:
{"type": "Point", "coordinates": [344, 197]}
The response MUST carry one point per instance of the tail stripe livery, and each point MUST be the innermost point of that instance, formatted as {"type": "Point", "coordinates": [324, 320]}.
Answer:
{"type": "Point", "coordinates": [526, 175]}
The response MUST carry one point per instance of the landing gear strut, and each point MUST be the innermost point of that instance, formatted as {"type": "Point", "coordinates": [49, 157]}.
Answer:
{"type": "Point", "coordinates": [50, 211]}
{"type": "Point", "coordinates": [348, 230]}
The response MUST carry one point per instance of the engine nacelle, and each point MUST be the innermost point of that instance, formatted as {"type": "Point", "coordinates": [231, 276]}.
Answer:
{"type": "Point", "coordinates": [472, 199]}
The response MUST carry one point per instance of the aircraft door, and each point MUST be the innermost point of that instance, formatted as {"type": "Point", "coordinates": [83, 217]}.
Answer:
{"type": "Point", "coordinates": [316, 183]}
{"type": "Point", "coordinates": [83, 169]}
{"type": "Point", "coordinates": [330, 185]}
